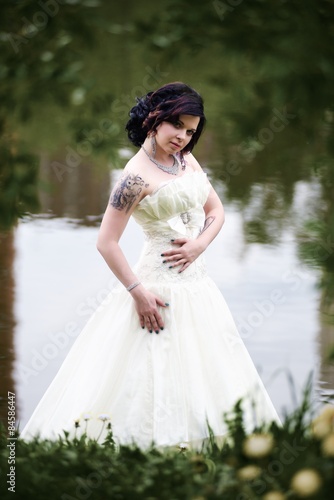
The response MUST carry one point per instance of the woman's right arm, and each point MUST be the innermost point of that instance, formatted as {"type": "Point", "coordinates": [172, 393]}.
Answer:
{"type": "Point", "coordinates": [127, 193]}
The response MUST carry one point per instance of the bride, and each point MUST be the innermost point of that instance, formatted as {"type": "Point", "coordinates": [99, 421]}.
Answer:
{"type": "Point", "coordinates": [162, 356]}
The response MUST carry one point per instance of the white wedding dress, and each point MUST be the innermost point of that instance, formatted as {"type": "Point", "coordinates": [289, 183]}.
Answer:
{"type": "Point", "coordinates": [160, 388]}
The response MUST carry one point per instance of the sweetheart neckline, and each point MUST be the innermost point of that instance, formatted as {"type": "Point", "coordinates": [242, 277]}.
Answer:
{"type": "Point", "coordinates": [166, 183]}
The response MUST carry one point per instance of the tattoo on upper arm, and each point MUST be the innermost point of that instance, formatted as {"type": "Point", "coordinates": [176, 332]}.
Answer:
{"type": "Point", "coordinates": [207, 223]}
{"type": "Point", "coordinates": [127, 191]}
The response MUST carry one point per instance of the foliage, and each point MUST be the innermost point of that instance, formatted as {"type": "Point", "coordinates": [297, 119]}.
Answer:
{"type": "Point", "coordinates": [18, 182]}
{"type": "Point", "coordinates": [262, 55]}
{"type": "Point", "coordinates": [298, 458]}
{"type": "Point", "coordinates": [316, 234]}
{"type": "Point", "coordinates": [42, 51]}
{"type": "Point", "coordinates": [272, 82]}
{"type": "Point", "coordinates": [266, 68]}
{"type": "Point", "coordinates": [285, 50]}
{"type": "Point", "coordinates": [43, 59]}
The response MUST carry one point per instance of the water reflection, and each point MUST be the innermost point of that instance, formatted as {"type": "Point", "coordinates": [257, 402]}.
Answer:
{"type": "Point", "coordinates": [325, 342]}
{"type": "Point", "coordinates": [79, 193]}
{"type": "Point", "coordinates": [269, 146]}
{"type": "Point", "coordinates": [60, 277]}
{"type": "Point", "coordinates": [7, 319]}
{"type": "Point", "coordinates": [273, 297]}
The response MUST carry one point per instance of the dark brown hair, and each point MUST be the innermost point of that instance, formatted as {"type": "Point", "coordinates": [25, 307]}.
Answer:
{"type": "Point", "coordinates": [165, 104]}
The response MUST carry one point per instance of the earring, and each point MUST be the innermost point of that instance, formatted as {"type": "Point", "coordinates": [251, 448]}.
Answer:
{"type": "Point", "coordinates": [182, 160]}
{"type": "Point", "coordinates": [153, 145]}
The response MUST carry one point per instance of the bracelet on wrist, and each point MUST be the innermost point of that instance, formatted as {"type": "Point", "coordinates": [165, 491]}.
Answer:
{"type": "Point", "coordinates": [131, 287]}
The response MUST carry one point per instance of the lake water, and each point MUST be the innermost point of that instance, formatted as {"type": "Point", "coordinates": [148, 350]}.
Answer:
{"type": "Point", "coordinates": [268, 141]}
{"type": "Point", "coordinates": [60, 279]}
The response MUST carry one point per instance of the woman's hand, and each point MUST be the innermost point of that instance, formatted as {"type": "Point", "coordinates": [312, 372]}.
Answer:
{"type": "Point", "coordinates": [147, 305]}
{"type": "Point", "coordinates": [184, 254]}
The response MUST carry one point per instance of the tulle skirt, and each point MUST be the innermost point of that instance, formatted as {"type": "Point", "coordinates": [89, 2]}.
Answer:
{"type": "Point", "coordinates": [155, 388]}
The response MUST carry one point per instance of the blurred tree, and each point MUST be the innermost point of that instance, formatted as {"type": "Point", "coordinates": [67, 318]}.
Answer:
{"type": "Point", "coordinates": [316, 235]}
{"type": "Point", "coordinates": [273, 66]}
{"type": "Point", "coordinates": [284, 49]}
{"type": "Point", "coordinates": [43, 49]}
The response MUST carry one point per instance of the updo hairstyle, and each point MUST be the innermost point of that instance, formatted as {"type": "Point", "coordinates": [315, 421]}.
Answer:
{"type": "Point", "coordinates": [165, 104]}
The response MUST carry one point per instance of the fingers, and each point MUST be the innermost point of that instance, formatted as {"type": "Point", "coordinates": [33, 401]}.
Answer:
{"type": "Point", "coordinates": [145, 322]}
{"type": "Point", "coordinates": [153, 323]}
{"type": "Point", "coordinates": [180, 262]}
{"type": "Point", "coordinates": [184, 266]}
{"type": "Point", "coordinates": [179, 241]}
{"type": "Point", "coordinates": [177, 256]}
{"type": "Point", "coordinates": [176, 260]}
{"type": "Point", "coordinates": [150, 318]}
{"type": "Point", "coordinates": [161, 303]}
{"type": "Point", "coordinates": [182, 256]}
{"type": "Point", "coordinates": [172, 258]}
{"type": "Point", "coordinates": [157, 323]}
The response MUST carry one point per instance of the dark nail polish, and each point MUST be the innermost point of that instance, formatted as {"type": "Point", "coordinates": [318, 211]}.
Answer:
{"type": "Point", "coordinates": [170, 267]}
{"type": "Point", "coordinates": [156, 331]}
{"type": "Point", "coordinates": [166, 304]}
{"type": "Point", "coordinates": [172, 240]}
{"type": "Point", "coordinates": [162, 255]}
{"type": "Point", "coordinates": [150, 331]}
{"type": "Point", "coordinates": [143, 327]}
{"type": "Point", "coordinates": [164, 261]}
{"type": "Point", "coordinates": [161, 327]}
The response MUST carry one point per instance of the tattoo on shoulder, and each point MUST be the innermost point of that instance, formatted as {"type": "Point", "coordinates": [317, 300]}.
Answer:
{"type": "Point", "coordinates": [207, 223]}
{"type": "Point", "coordinates": [127, 191]}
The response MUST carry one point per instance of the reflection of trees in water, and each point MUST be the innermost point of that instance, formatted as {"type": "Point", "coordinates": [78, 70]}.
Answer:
{"type": "Point", "coordinates": [18, 181]}
{"type": "Point", "coordinates": [7, 320]}
{"type": "Point", "coordinates": [267, 76]}
{"type": "Point", "coordinates": [264, 185]}
{"type": "Point", "coordinates": [266, 70]}
{"type": "Point", "coordinates": [316, 247]}
{"type": "Point", "coordinates": [47, 64]}
{"type": "Point", "coordinates": [325, 350]}
{"type": "Point", "coordinates": [269, 54]}
{"type": "Point", "coordinates": [273, 97]}
{"type": "Point", "coordinates": [81, 193]}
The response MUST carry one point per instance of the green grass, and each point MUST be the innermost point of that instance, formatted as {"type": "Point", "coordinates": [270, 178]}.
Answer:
{"type": "Point", "coordinates": [244, 468]}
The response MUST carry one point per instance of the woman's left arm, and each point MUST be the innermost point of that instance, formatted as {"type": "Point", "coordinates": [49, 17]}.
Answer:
{"type": "Point", "coordinates": [189, 249]}
{"type": "Point", "coordinates": [214, 219]}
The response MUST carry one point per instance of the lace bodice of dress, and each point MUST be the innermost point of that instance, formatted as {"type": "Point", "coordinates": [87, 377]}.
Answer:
{"type": "Point", "coordinates": [174, 210]}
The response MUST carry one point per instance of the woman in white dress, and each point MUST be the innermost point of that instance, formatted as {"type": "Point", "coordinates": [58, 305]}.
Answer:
{"type": "Point", "coordinates": [162, 355]}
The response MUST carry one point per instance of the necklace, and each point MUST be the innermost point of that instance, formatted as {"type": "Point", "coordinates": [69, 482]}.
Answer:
{"type": "Point", "coordinates": [173, 170]}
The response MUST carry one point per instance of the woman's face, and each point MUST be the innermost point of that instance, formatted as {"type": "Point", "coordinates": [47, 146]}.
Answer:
{"type": "Point", "coordinates": [173, 137]}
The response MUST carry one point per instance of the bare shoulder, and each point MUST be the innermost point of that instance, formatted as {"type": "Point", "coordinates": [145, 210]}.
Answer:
{"type": "Point", "coordinates": [130, 188]}
{"type": "Point", "coordinates": [193, 163]}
